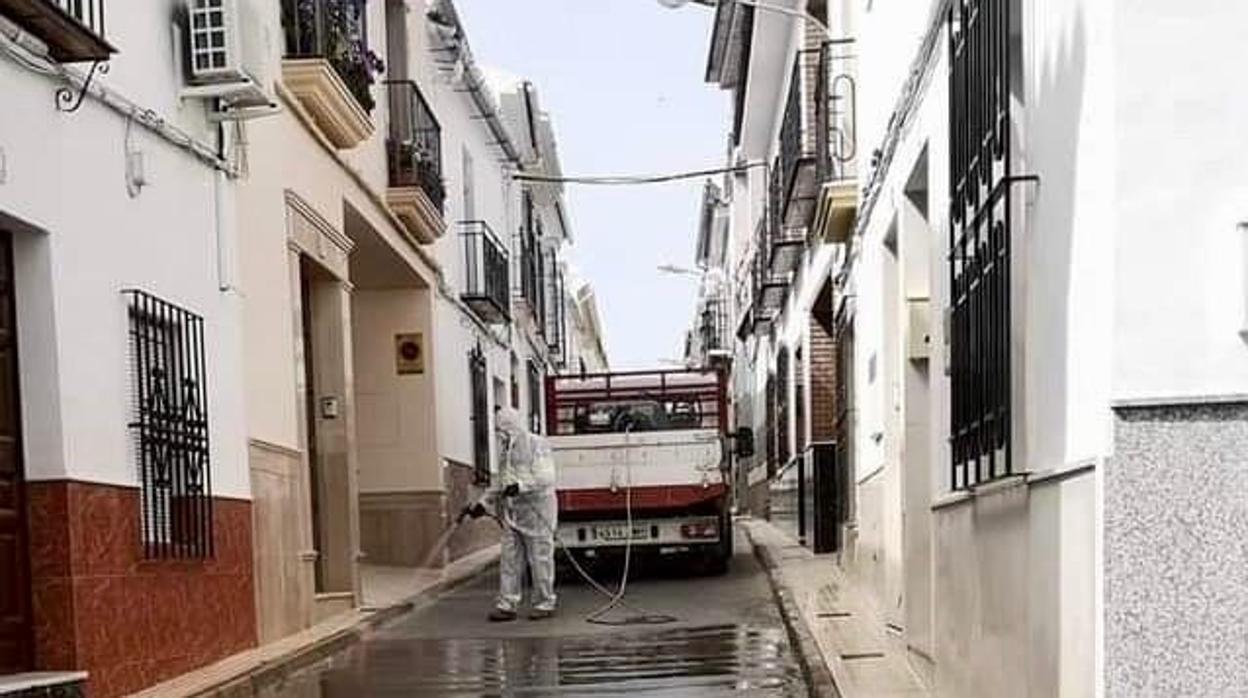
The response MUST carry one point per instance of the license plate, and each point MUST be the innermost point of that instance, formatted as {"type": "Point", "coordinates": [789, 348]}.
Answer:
{"type": "Point", "coordinates": [620, 532]}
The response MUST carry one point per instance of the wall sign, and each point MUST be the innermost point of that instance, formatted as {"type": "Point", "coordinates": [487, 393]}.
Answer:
{"type": "Point", "coordinates": [409, 354]}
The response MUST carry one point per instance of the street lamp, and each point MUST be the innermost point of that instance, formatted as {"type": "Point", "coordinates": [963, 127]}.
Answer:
{"type": "Point", "coordinates": [675, 270]}
{"type": "Point", "coordinates": [756, 4]}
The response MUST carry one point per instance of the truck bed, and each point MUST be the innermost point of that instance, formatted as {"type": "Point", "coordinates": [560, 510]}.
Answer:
{"type": "Point", "coordinates": [666, 469]}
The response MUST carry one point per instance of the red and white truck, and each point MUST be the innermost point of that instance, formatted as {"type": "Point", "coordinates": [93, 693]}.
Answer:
{"type": "Point", "coordinates": [652, 446]}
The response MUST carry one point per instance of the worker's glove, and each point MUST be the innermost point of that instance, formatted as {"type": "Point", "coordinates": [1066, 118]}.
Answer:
{"type": "Point", "coordinates": [511, 490]}
{"type": "Point", "coordinates": [475, 511]}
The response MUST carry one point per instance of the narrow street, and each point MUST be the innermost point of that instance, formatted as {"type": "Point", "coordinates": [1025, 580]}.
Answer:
{"type": "Point", "coordinates": [728, 638]}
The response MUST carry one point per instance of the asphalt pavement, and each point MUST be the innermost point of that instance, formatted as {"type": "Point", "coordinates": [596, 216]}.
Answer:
{"type": "Point", "coordinates": [726, 638]}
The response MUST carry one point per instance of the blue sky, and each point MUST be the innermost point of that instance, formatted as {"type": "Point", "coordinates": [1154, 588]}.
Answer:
{"type": "Point", "coordinates": [622, 80]}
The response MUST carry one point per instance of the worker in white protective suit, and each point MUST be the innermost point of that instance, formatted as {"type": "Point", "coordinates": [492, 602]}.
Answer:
{"type": "Point", "coordinates": [524, 501]}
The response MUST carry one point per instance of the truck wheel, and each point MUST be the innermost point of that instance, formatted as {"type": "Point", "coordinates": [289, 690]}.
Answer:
{"type": "Point", "coordinates": [719, 558]}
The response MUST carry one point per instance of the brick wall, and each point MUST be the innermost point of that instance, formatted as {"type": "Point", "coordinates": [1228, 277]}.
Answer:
{"type": "Point", "coordinates": [822, 382]}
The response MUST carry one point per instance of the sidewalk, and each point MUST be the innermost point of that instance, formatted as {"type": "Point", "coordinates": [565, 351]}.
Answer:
{"type": "Point", "coordinates": [844, 651]}
{"type": "Point", "coordinates": [387, 592]}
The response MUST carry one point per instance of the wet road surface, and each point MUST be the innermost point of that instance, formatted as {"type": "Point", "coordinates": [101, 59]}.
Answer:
{"type": "Point", "coordinates": [728, 639]}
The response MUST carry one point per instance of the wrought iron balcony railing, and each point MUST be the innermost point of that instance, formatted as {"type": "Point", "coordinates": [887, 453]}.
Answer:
{"type": "Point", "coordinates": [771, 287]}
{"type": "Point", "coordinates": [414, 148]}
{"type": "Point", "coordinates": [784, 243]}
{"type": "Point", "coordinates": [556, 320]}
{"type": "Point", "coordinates": [487, 276]}
{"type": "Point", "coordinates": [334, 30]}
{"type": "Point", "coordinates": [713, 328]}
{"type": "Point", "coordinates": [798, 142]}
{"type": "Point", "coordinates": [72, 29]}
{"type": "Point", "coordinates": [837, 97]}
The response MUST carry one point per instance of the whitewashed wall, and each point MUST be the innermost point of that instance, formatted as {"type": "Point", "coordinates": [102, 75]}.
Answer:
{"type": "Point", "coordinates": [88, 240]}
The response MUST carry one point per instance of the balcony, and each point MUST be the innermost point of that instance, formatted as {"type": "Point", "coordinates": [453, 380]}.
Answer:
{"type": "Point", "coordinates": [72, 29]}
{"type": "Point", "coordinates": [329, 67]}
{"type": "Point", "coordinates": [556, 315]}
{"type": "Point", "coordinates": [798, 161]}
{"type": "Point", "coordinates": [771, 287]}
{"type": "Point", "coordinates": [837, 205]}
{"type": "Point", "coordinates": [713, 329]}
{"type": "Point", "coordinates": [487, 276]}
{"type": "Point", "coordinates": [414, 158]}
{"type": "Point", "coordinates": [783, 243]}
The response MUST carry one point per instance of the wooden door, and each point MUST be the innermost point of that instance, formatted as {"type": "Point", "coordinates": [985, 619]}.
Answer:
{"type": "Point", "coordinates": [15, 629]}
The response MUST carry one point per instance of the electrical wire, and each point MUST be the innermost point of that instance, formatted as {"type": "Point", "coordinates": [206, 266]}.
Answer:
{"type": "Point", "coordinates": [633, 180]}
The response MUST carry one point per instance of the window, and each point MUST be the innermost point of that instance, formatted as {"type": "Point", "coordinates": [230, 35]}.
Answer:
{"type": "Point", "coordinates": [979, 240]}
{"type": "Point", "coordinates": [468, 177]}
{"type": "Point", "coordinates": [479, 387]}
{"type": "Point", "coordinates": [171, 428]}
{"type": "Point", "coordinates": [535, 397]}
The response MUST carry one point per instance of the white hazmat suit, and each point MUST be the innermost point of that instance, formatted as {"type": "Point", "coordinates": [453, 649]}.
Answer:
{"type": "Point", "coordinates": [526, 468]}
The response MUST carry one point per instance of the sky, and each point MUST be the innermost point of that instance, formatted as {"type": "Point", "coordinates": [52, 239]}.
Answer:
{"type": "Point", "coordinates": [622, 80]}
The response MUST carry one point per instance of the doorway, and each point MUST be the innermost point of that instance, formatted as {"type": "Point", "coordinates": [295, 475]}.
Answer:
{"type": "Point", "coordinates": [15, 608]}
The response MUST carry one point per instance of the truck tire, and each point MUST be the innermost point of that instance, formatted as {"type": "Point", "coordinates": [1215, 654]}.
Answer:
{"type": "Point", "coordinates": [720, 558]}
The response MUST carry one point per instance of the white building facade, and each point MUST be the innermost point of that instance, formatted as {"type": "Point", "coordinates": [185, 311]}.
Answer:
{"type": "Point", "coordinates": [124, 491]}
{"type": "Point", "coordinates": [1038, 392]}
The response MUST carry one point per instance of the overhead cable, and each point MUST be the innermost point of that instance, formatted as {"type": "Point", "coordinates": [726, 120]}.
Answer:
{"type": "Point", "coordinates": [627, 180]}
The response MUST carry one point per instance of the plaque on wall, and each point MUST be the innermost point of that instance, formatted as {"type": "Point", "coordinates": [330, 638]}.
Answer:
{"type": "Point", "coordinates": [409, 353]}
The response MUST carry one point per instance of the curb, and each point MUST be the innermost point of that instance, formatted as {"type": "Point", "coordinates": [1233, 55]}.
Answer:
{"type": "Point", "coordinates": [819, 681]}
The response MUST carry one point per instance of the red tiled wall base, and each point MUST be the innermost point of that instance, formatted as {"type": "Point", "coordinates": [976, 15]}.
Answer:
{"type": "Point", "coordinates": [99, 606]}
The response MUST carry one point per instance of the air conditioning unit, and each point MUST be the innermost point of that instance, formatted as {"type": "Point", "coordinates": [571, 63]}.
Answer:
{"type": "Point", "coordinates": [225, 54]}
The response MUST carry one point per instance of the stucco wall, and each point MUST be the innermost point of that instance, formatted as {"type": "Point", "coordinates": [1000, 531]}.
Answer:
{"type": "Point", "coordinates": [83, 241]}
{"type": "Point", "coordinates": [1180, 188]}
{"type": "Point", "coordinates": [1014, 591]}
{"type": "Point", "coordinates": [397, 421]}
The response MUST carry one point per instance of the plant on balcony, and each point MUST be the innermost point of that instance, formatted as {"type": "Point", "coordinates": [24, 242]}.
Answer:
{"type": "Point", "coordinates": [335, 31]}
{"type": "Point", "coordinates": [416, 164]}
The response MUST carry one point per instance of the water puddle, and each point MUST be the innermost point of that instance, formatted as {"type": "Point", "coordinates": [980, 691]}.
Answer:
{"type": "Point", "coordinates": [706, 661]}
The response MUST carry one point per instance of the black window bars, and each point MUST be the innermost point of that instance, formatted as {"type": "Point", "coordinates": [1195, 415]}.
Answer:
{"type": "Point", "coordinates": [979, 242]}
{"type": "Point", "coordinates": [171, 428]}
{"type": "Point", "coordinates": [478, 384]}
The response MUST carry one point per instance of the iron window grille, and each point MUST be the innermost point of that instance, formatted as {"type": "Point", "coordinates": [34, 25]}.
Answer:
{"type": "Point", "coordinates": [334, 30]}
{"type": "Point", "coordinates": [414, 147]}
{"type": "Point", "coordinates": [979, 242]}
{"type": "Point", "coordinates": [535, 397]}
{"type": "Point", "coordinates": [531, 262]}
{"type": "Point", "coordinates": [769, 426]}
{"type": "Point", "coordinates": [555, 311]}
{"type": "Point", "coordinates": [783, 452]}
{"type": "Point", "coordinates": [478, 385]}
{"type": "Point", "coordinates": [171, 428]}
